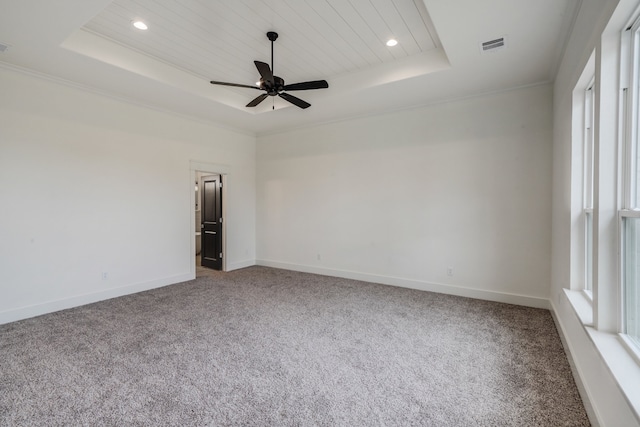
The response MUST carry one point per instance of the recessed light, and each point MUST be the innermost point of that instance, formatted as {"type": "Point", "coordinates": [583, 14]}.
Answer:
{"type": "Point", "coordinates": [140, 25]}
{"type": "Point", "coordinates": [392, 42]}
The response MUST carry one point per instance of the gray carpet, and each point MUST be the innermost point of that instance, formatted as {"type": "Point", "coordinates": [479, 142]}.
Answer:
{"type": "Point", "coordinates": [268, 347]}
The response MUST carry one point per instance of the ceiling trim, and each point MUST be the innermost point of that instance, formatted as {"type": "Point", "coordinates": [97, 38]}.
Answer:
{"type": "Point", "coordinates": [98, 47]}
{"type": "Point", "coordinates": [87, 43]}
{"type": "Point", "coordinates": [107, 94]}
{"type": "Point", "coordinates": [568, 23]}
{"type": "Point", "coordinates": [405, 108]}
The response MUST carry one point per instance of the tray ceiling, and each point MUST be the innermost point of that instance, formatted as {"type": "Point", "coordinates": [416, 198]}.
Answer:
{"type": "Point", "coordinates": [318, 39]}
{"type": "Point", "coordinates": [92, 44]}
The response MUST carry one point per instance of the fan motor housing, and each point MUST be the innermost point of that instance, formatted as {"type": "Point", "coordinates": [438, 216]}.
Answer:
{"type": "Point", "coordinates": [277, 87]}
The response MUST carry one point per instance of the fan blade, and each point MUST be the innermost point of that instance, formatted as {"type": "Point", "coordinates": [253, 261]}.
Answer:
{"type": "Point", "coordinates": [316, 84]}
{"type": "Point", "coordinates": [234, 84]}
{"type": "Point", "coordinates": [294, 100]}
{"type": "Point", "coordinates": [257, 100]}
{"type": "Point", "coordinates": [265, 72]}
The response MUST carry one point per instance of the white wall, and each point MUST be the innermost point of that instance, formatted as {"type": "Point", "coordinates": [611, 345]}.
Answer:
{"type": "Point", "coordinates": [605, 402]}
{"type": "Point", "coordinates": [89, 184]}
{"type": "Point", "coordinates": [400, 198]}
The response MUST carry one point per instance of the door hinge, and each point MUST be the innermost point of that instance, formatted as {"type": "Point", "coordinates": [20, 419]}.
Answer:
{"type": "Point", "coordinates": [220, 220]}
{"type": "Point", "coordinates": [220, 255]}
{"type": "Point", "coordinates": [220, 184]}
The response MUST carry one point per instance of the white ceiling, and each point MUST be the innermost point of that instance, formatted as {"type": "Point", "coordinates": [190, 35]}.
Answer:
{"type": "Point", "coordinates": [91, 43]}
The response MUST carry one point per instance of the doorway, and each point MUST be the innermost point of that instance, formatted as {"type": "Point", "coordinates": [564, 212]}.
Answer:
{"type": "Point", "coordinates": [211, 254]}
{"type": "Point", "coordinates": [214, 178]}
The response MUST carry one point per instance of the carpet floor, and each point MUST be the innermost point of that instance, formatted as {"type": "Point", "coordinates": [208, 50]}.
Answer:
{"type": "Point", "coordinates": [268, 347]}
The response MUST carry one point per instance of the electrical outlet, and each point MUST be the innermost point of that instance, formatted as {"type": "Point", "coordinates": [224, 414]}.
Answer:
{"type": "Point", "coordinates": [105, 275]}
{"type": "Point", "coordinates": [449, 271]}
{"type": "Point", "coordinates": [318, 257]}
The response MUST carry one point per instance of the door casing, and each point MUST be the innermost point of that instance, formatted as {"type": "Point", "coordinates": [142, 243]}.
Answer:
{"type": "Point", "coordinates": [225, 175]}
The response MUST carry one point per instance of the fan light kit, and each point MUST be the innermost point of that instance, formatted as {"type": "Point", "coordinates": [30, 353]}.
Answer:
{"type": "Point", "coordinates": [274, 85]}
{"type": "Point", "coordinates": [140, 25]}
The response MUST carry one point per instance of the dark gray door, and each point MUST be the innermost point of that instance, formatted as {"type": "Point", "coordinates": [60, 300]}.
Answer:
{"type": "Point", "coordinates": [211, 226]}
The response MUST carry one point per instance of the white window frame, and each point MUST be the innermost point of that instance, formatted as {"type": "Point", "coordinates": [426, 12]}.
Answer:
{"type": "Point", "coordinates": [602, 315]}
{"type": "Point", "coordinates": [588, 117]}
{"type": "Point", "coordinates": [581, 203]}
{"type": "Point", "coordinates": [629, 128]}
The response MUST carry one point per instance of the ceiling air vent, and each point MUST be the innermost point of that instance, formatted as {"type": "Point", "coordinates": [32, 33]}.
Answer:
{"type": "Point", "coordinates": [493, 45]}
{"type": "Point", "coordinates": [3, 47]}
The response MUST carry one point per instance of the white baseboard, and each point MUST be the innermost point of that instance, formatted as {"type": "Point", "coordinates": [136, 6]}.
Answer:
{"type": "Point", "coordinates": [523, 300]}
{"type": "Point", "coordinates": [75, 301]}
{"type": "Point", "coordinates": [241, 264]}
{"type": "Point", "coordinates": [62, 304]}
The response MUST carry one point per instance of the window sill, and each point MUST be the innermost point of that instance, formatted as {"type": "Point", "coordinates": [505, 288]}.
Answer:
{"type": "Point", "coordinates": [613, 350]}
{"type": "Point", "coordinates": [631, 347]}
{"type": "Point", "coordinates": [582, 304]}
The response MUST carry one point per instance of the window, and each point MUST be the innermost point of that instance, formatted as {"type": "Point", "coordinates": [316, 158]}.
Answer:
{"type": "Point", "coordinates": [630, 212]}
{"type": "Point", "coordinates": [631, 277]}
{"type": "Point", "coordinates": [589, 117]}
{"type": "Point", "coordinates": [604, 269]}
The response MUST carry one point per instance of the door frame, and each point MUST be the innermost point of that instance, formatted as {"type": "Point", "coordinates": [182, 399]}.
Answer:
{"type": "Point", "coordinates": [213, 169]}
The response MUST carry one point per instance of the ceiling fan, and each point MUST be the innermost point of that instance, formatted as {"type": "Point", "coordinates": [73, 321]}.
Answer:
{"type": "Point", "coordinates": [274, 85]}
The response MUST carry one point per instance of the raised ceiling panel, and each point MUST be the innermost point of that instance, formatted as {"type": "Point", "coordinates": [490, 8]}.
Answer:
{"type": "Point", "coordinates": [219, 39]}
{"type": "Point", "coordinates": [92, 44]}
